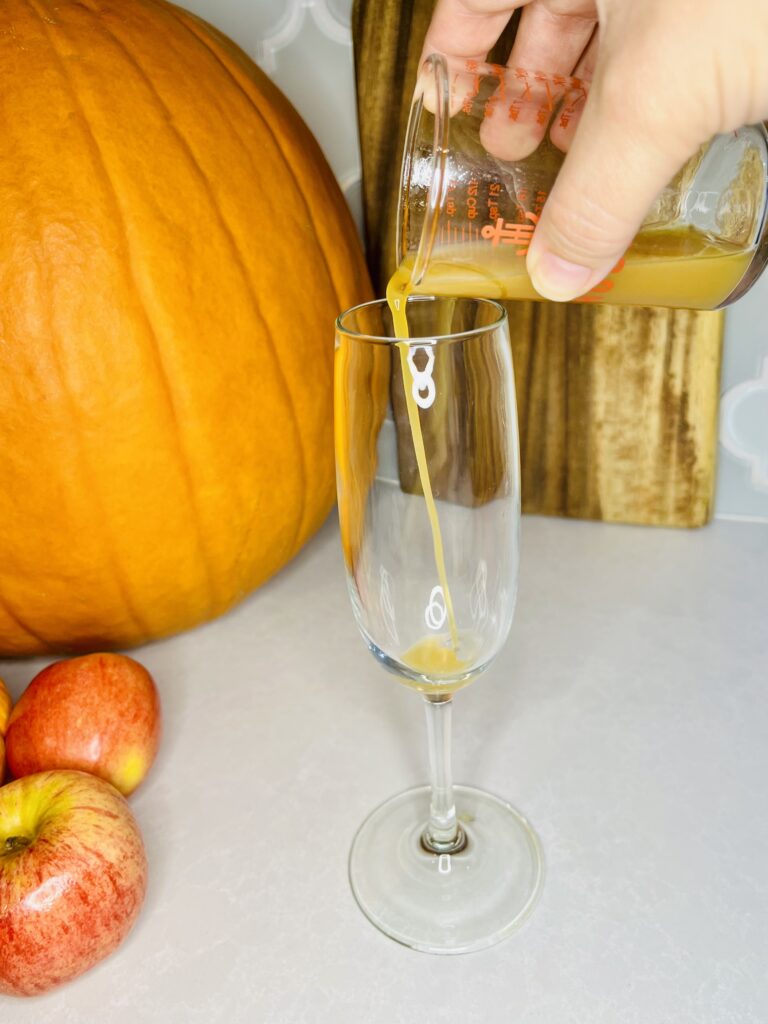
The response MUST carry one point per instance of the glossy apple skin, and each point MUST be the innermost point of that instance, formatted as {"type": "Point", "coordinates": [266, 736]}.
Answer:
{"type": "Point", "coordinates": [73, 875]}
{"type": "Point", "coordinates": [99, 713]}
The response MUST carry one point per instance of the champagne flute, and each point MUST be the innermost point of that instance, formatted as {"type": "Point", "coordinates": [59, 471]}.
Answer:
{"type": "Point", "coordinates": [429, 505]}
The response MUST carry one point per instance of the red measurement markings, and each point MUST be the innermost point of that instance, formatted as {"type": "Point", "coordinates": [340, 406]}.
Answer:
{"type": "Point", "coordinates": [494, 194]}
{"type": "Point", "coordinates": [522, 76]}
{"type": "Point", "coordinates": [471, 66]}
{"type": "Point", "coordinates": [573, 99]}
{"type": "Point", "coordinates": [546, 108]}
{"type": "Point", "coordinates": [511, 233]}
{"type": "Point", "coordinates": [450, 202]}
{"type": "Point", "coordinates": [472, 189]}
{"type": "Point", "coordinates": [498, 94]}
{"type": "Point", "coordinates": [606, 285]}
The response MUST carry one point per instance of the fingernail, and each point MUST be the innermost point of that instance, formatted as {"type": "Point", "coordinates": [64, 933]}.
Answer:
{"type": "Point", "coordinates": [558, 279]}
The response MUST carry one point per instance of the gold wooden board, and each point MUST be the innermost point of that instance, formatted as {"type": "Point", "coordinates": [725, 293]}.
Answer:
{"type": "Point", "coordinates": [617, 406]}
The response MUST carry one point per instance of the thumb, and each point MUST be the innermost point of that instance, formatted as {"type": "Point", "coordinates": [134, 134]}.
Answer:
{"type": "Point", "coordinates": [618, 163]}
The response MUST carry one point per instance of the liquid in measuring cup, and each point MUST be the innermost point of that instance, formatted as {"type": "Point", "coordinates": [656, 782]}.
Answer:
{"type": "Point", "coordinates": [467, 217]}
{"type": "Point", "coordinates": [656, 271]}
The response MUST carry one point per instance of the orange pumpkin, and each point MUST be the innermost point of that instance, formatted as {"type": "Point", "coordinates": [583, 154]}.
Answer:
{"type": "Point", "coordinates": [173, 252]}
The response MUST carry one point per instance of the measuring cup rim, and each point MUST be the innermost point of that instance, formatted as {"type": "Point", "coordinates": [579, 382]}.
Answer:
{"type": "Point", "coordinates": [426, 338]}
{"type": "Point", "coordinates": [435, 66]}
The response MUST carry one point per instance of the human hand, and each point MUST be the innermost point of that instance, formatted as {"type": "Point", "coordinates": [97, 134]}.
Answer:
{"type": "Point", "coordinates": [665, 76]}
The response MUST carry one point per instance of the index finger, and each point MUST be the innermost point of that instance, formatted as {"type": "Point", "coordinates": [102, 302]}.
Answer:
{"type": "Point", "coordinates": [459, 29]}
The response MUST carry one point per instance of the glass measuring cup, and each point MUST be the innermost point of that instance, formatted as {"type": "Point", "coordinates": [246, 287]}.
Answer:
{"type": "Point", "coordinates": [466, 216]}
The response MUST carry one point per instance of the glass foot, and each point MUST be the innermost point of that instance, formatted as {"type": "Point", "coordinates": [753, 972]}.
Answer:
{"type": "Point", "coordinates": [446, 903]}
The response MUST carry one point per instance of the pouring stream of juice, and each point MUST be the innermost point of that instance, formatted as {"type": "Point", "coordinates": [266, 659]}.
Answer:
{"type": "Point", "coordinates": [658, 268]}
{"type": "Point", "coordinates": [429, 655]}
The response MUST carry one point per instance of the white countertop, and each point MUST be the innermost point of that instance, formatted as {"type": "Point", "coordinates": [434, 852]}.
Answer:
{"type": "Point", "coordinates": [627, 718]}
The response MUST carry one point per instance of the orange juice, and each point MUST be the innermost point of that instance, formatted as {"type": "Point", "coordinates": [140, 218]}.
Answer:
{"type": "Point", "coordinates": [677, 267]}
{"type": "Point", "coordinates": [660, 267]}
{"type": "Point", "coordinates": [440, 663]}
{"type": "Point", "coordinates": [397, 295]}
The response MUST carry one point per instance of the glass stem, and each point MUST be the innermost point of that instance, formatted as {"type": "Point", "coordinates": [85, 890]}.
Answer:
{"type": "Point", "coordinates": [443, 833]}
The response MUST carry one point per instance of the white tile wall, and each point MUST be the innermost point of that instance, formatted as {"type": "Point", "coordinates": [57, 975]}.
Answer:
{"type": "Point", "coordinates": [305, 45]}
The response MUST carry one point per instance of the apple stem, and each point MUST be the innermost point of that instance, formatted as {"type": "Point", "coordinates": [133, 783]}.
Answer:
{"type": "Point", "coordinates": [15, 843]}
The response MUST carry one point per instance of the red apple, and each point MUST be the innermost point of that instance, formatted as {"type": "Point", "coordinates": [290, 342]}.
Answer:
{"type": "Point", "coordinates": [73, 875]}
{"type": "Point", "coordinates": [5, 710]}
{"type": "Point", "coordinates": [99, 714]}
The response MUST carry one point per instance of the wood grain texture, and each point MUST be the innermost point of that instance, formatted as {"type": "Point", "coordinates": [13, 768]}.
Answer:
{"type": "Point", "coordinates": [617, 406]}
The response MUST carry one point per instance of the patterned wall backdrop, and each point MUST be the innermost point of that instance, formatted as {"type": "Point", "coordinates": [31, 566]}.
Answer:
{"type": "Point", "coordinates": [742, 479]}
{"type": "Point", "coordinates": [305, 46]}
